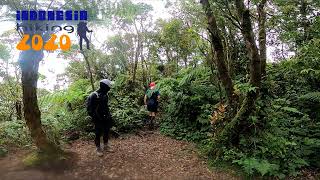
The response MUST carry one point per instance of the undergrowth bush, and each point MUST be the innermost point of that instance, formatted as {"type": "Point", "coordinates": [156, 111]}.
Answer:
{"type": "Point", "coordinates": [126, 104]}
{"type": "Point", "coordinates": [64, 111]}
{"type": "Point", "coordinates": [186, 104]}
{"type": "Point", "coordinates": [284, 128]}
{"type": "Point", "coordinates": [288, 142]}
{"type": "Point", "coordinates": [14, 133]}
{"type": "Point", "coordinates": [284, 134]}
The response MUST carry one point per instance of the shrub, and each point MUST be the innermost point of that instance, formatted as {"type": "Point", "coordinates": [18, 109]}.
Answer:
{"type": "Point", "coordinates": [14, 132]}
{"type": "Point", "coordinates": [187, 102]}
{"type": "Point", "coordinates": [126, 104]}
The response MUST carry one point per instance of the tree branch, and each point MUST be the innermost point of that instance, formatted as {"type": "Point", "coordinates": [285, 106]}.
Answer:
{"type": "Point", "coordinates": [49, 5]}
{"type": "Point", "coordinates": [219, 58]}
{"type": "Point", "coordinates": [231, 15]}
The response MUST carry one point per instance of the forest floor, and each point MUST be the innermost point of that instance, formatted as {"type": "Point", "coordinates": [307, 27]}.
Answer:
{"type": "Point", "coordinates": [144, 155]}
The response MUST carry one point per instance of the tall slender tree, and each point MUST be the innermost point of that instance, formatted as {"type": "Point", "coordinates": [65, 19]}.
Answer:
{"type": "Point", "coordinates": [230, 132]}
{"type": "Point", "coordinates": [219, 51]}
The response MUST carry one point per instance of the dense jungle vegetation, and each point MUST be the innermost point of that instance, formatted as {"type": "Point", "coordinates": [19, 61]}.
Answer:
{"type": "Point", "coordinates": [241, 79]}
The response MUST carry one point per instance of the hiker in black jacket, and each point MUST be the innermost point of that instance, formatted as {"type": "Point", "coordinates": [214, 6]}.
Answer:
{"type": "Point", "coordinates": [98, 109]}
{"type": "Point", "coordinates": [82, 30]}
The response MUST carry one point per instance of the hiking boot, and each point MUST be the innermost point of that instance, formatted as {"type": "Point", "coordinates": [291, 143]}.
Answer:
{"type": "Point", "coordinates": [151, 123]}
{"type": "Point", "coordinates": [147, 121]}
{"type": "Point", "coordinates": [151, 127]}
{"type": "Point", "coordinates": [107, 148]}
{"type": "Point", "coordinates": [99, 152]}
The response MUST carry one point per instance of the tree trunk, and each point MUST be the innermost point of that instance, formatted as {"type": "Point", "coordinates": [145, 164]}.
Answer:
{"type": "Point", "coordinates": [239, 124]}
{"type": "Point", "coordinates": [262, 36]}
{"type": "Point", "coordinates": [144, 74]}
{"type": "Point", "coordinates": [29, 68]}
{"type": "Point", "coordinates": [136, 57]}
{"type": "Point", "coordinates": [18, 110]}
{"type": "Point", "coordinates": [234, 52]}
{"type": "Point", "coordinates": [185, 60]}
{"type": "Point", "coordinates": [216, 41]}
{"type": "Point", "coordinates": [89, 70]}
{"type": "Point", "coordinates": [169, 58]}
{"type": "Point", "coordinates": [147, 63]}
{"type": "Point", "coordinates": [304, 20]}
{"type": "Point", "coordinates": [226, 44]}
{"type": "Point", "coordinates": [247, 32]}
{"type": "Point", "coordinates": [231, 131]}
{"type": "Point", "coordinates": [137, 52]}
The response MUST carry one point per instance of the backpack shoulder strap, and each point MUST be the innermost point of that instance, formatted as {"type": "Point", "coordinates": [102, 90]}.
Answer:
{"type": "Point", "coordinates": [96, 93]}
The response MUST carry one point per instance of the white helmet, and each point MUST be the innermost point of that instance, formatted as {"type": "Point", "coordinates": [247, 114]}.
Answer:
{"type": "Point", "coordinates": [107, 82]}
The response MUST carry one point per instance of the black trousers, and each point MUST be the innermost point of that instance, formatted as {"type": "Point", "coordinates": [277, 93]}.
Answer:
{"type": "Point", "coordinates": [101, 129]}
{"type": "Point", "coordinates": [84, 37]}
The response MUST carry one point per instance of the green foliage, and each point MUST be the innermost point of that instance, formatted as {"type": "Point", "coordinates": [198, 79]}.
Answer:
{"type": "Point", "coordinates": [179, 41]}
{"type": "Point", "coordinates": [310, 103]}
{"type": "Point", "coordinates": [252, 164]}
{"type": "Point", "coordinates": [9, 85]}
{"type": "Point", "coordinates": [14, 132]}
{"type": "Point", "coordinates": [3, 151]}
{"type": "Point", "coordinates": [283, 134]}
{"type": "Point", "coordinates": [312, 97]}
{"type": "Point", "coordinates": [4, 52]}
{"type": "Point", "coordinates": [280, 137]}
{"type": "Point", "coordinates": [126, 103]}
{"type": "Point", "coordinates": [187, 102]}
{"type": "Point", "coordinates": [287, 142]}
{"type": "Point", "coordinates": [129, 11]}
{"type": "Point", "coordinates": [296, 31]}
{"type": "Point", "coordinates": [64, 112]}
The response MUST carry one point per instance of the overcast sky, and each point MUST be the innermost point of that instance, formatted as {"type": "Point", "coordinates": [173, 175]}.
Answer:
{"type": "Point", "coordinates": [51, 66]}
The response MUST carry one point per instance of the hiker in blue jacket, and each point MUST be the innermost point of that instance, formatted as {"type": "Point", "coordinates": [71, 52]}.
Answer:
{"type": "Point", "coordinates": [151, 101]}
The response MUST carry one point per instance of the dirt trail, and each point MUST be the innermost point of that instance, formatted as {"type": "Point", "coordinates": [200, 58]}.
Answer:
{"type": "Point", "coordinates": [143, 156]}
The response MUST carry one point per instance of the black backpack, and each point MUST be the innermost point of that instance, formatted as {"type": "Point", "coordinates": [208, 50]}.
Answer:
{"type": "Point", "coordinates": [81, 28]}
{"type": "Point", "coordinates": [88, 101]}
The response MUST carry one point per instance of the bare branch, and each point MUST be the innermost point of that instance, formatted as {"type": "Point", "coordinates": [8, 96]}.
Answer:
{"type": "Point", "coordinates": [232, 18]}
{"type": "Point", "coordinates": [49, 5]}
{"type": "Point", "coordinates": [232, 21]}
{"type": "Point", "coordinates": [65, 4]}
{"type": "Point", "coordinates": [15, 5]}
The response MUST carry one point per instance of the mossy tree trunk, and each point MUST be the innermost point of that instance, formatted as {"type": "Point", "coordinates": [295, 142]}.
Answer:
{"type": "Point", "coordinates": [238, 123]}
{"type": "Point", "coordinates": [262, 36]}
{"type": "Point", "coordinates": [18, 110]}
{"type": "Point", "coordinates": [137, 52]}
{"type": "Point", "coordinates": [231, 132]}
{"type": "Point", "coordinates": [219, 57]}
{"type": "Point", "coordinates": [32, 115]}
